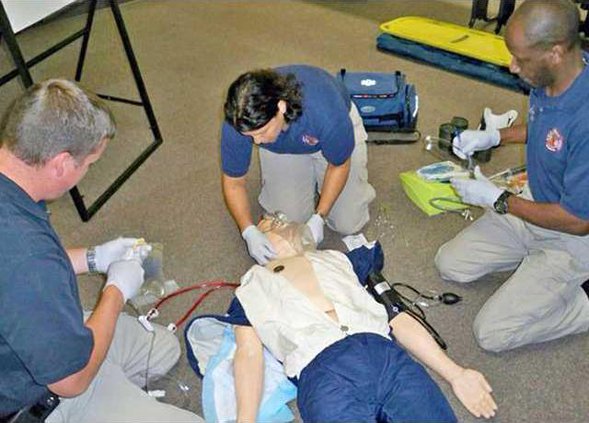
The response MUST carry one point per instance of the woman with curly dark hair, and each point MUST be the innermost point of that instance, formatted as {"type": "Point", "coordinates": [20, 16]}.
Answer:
{"type": "Point", "coordinates": [312, 144]}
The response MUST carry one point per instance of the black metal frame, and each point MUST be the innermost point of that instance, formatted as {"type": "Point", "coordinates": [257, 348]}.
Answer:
{"type": "Point", "coordinates": [479, 11]}
{"type": "Point", "coordinates": [22, 70]}
{"type": "Point", "coordinates": [584, 24]}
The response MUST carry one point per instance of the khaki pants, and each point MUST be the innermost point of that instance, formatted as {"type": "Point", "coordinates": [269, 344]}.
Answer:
{"type": "Point", "coordinates": [542, 300]}
{"type": "Point", "coordinates": [115, 394]}
{"type": "Point", "coordinates": [291, 181]}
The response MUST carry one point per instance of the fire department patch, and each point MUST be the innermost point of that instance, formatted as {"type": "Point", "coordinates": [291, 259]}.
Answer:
{"type": "Point", "coordinates": [310, 140]}
{"type": "Point", "coordinates": [554, 140]}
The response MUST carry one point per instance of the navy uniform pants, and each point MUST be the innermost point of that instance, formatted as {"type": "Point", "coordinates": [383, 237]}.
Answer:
{"type": "Point", "coordinates": [368, 378]}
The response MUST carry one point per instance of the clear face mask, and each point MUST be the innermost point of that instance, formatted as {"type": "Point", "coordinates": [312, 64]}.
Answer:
{"type": "Point", "coordinates": [298, 236]}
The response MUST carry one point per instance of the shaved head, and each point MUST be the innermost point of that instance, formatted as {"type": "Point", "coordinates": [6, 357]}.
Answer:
{"type": "Point", "coordinates": [548, 22]}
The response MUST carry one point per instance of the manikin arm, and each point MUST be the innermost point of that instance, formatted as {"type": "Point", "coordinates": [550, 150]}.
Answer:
{"type": "Point", "coordinates": [468, 385]}
{"type": "Point", "coordinates": [248, 368]}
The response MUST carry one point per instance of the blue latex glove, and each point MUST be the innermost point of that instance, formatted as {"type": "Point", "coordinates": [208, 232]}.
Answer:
{"type": "Point", "coordinates": [316, 224]}
{"type": "Point", "coordinates": [479, 191]}
{"type": "Point", "coordinates": [258, 245]}
{"type": "Point", "coordinates": [469, 141]}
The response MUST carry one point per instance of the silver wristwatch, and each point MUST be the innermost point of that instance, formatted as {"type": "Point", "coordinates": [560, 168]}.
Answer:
{"type": "Point", "coordinates": [500, 204]}
{"type": "Point", "coordinates": [91, 259]}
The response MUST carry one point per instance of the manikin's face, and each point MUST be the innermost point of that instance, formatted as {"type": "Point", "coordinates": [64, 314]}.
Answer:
{"type": "Point", "coordinates": [269, 132]}
{"type": "Point", "coordinates": [531, 64]}
{"type": "Point", "coordinates": [288, 239]}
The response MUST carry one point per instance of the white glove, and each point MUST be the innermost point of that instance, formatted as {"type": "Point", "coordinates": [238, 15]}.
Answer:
{"type": "Point", "coordinates": [258, 245]}
{"type": "Point", "coordinates": [493, 121]}
{"type": "Point", "coordinates": [316, 223]}
{"type": "Point", "coordinates": [479, 191]}
{"type": "Point", "coordinates": [126, 276]}
{"type": "Point", "coordinates": [109, 252]}
{"type": "Point", "coordinates": [469, 141]}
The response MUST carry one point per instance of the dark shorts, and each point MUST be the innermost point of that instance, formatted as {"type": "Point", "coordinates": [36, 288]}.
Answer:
{"type": "Point", "coordinates": [368, 378]}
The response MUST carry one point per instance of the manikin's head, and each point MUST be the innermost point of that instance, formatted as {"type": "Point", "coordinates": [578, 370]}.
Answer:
{"type": "Point", "coordinates": [288, 238]}
{"type": "Point", "coordinates": [540, 35]}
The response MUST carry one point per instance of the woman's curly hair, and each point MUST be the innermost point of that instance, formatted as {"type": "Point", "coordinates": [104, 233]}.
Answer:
{"type": "Point", "coordinates": [252, 99]}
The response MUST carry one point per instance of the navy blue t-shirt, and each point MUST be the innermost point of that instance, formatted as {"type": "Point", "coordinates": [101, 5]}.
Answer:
{"type": "Point", "coordinates": [324, 126]}
{"type": "Point", "coordinates": [42, 334]}
{"type": "Point", "coordinates": [558, 147]}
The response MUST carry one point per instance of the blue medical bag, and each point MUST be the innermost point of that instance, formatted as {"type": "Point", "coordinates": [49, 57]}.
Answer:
{"type": "Point", "coordinates": [386, 101]}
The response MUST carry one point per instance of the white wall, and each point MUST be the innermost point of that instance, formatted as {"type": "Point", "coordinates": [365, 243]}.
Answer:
{"type": "Point", "coordinates": [24, 13]}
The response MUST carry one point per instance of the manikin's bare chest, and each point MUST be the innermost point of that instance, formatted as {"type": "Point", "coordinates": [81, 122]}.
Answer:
{"type": "Point", "coordinates": [300, 273]}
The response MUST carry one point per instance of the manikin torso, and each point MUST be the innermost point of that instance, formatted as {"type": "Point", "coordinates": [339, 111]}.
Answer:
{"type": "Point", "coordinates": [298, 270]}
{"type": "Point", "coordinates": [323, 304]}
